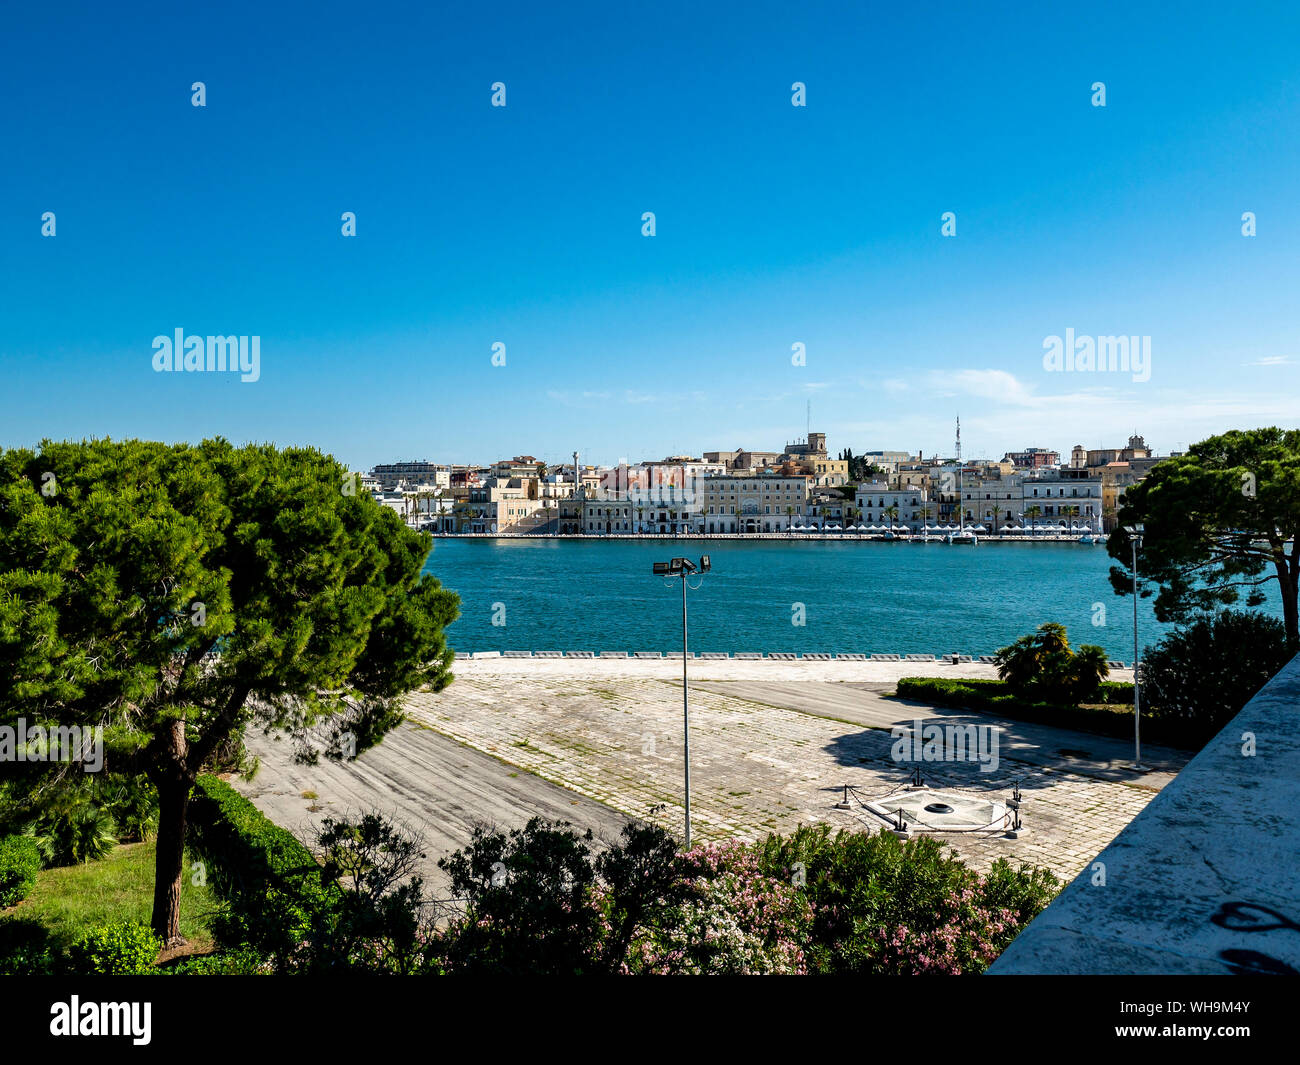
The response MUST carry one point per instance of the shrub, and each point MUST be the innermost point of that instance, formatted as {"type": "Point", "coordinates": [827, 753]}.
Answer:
{"type": "Point", "coordinates": [73, 834]}
{"type": "Point", "coordinates": [1041, 666]}
{"type": "Point", "coordinates": [26, 948]}
{"type": "Point", "coordinates": [882, 905]}
{"type": "Point", "coordinates": [531, 906]}
{"type": "Point", "coordinates": [994, 697]}
{"type": "Point", "coordinates": [1201, 675]}
{"type": "Point", "coordinates": [734, 919]}
{"type": "Point", "coordinates": [373, 922]}
{"type": "Point", "coordinates": [132, 802]}
{"type": "Point", "coordinates": [20, 861]}
{"type": "Point", "coordinates": [360, 911]}
{"type": "Point", "coordinates": [641, 881]}
{"type": "Point", "coordinates": [269, 881]}
{"type": "Point", "coordinates": [125, 948]}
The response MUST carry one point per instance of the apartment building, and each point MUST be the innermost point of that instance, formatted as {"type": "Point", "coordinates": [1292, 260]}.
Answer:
{"type": "Point", "coordinates": [1063, 495]}
{"type": "Point", "coordinates": [751, 503]}
{"type": "Point", "coordinates": [1033, 458]}
{"type": "Point", "coordinates": [391, 474]}
{"type": "Point", "coordinates": [520, 466]}
{"type": "Point", "coordinates": [502, 506]}
{"type": "Point", "coordinates": [882, 504]}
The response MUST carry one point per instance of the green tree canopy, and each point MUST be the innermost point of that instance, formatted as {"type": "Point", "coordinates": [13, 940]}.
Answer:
{"type": "Point", "coordinates": [1221, 522]}
{"type": "Point", "coordinates": [176, 593]}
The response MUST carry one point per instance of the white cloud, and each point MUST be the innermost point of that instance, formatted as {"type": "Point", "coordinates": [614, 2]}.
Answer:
{"type": "Point", "coordinates": [996, 385]}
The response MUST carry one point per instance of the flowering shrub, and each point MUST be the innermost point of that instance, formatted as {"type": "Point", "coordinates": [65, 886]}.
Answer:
{"type": "Point", "coordinates": [540, 901]}
{"type": "Point", "coordinates": [968, 937]}
{"type": "Point", "coordinates": [885, 906]}
{"type": "Point", "coordinates": [735, 919]}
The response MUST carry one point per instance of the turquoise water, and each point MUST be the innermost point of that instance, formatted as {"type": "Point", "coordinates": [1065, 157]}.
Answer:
{"type": "Point", "coordinates": [589, 595]}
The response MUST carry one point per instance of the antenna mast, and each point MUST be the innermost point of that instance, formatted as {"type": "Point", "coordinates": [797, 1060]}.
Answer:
{"type": "Point", "coordinates": [960, 472]}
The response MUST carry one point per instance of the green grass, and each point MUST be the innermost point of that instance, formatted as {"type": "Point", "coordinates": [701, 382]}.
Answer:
{"type": "Point", "coordinates": [70, 899]}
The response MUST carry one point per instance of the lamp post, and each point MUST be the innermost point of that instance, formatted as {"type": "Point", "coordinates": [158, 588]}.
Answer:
{"type": "Point", "coordinates": [1135, 539]}
{"type": "Point", "coordinates": [683, 567]}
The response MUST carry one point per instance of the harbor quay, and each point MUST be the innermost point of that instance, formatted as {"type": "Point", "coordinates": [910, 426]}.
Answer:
{"type": "Point", "coordinates": [830, 537]}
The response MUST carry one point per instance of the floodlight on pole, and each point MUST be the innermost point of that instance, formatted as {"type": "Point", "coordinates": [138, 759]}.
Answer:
{"type": "Point", "coordinates": [683, 567]}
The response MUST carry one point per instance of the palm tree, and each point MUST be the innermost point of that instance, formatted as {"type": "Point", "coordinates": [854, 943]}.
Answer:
{"type": "Point", "coordinates": [892, 513]}
{"type": "Point", "coordinates": [789, 520]}
{"type": "Point", "coordinates": [1033, 513]}
{"type": "Point", "coordinates": [640, 517]}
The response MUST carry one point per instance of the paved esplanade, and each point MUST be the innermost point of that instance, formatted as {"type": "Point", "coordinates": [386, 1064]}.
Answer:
{"type": "Point", "coordinates": [593, 744]}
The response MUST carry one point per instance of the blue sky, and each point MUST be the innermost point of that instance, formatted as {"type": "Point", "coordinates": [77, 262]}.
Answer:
{"type": "Point", "coordinates": [775, 225]}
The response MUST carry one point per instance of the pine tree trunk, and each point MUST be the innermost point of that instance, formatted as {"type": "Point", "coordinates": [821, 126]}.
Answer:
{"type": "Point", "coordinates": [1290, 613]}
{"type": "Point", "coordinates": [173, 782]}
{"type": "Point", "coordinates": [173, 801]}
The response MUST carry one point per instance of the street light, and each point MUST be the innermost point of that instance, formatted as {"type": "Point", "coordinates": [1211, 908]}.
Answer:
{"type": "Point", "coordinates": [1135, 539]}
{"type": "Point", "coordinates": [683, 567]}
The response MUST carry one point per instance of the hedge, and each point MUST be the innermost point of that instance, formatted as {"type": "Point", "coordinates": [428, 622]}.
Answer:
{"type": "Point", "coordinates": [269, 881]}
{"type": "Point", "coordinates": [994, 697]}
{"type": "Point", "coordinates": [20, 861]}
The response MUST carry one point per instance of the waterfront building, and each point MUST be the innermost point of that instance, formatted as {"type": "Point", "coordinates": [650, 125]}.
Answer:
{"type": "Point", "coordinates": [629, 514]}
{"type": "Point", "coordinates": [992, 500]}
{"type": "Point", "coordinates": [825, 509]}
{"type": "Point", "coordinates": [757, 503]}
{"type": "Point", "coordinates": [879, 503]}
{"type": "Point", "coordinates": [1062, 496]}
{"type": "Point", "coordinates": [390, 474]}
{"type": "Point", "coordinates": [504, 506]}
{"type": "Point", "coordinates": [569, 511]}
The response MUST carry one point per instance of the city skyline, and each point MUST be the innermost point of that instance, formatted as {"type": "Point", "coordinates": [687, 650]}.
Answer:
{"type": "Point", "coordinates": [697, 454]}
{"type": "Point", "coordinates": [891, 213]}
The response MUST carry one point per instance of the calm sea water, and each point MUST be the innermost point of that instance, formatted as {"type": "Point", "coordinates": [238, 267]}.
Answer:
{"type": "Point", "coordinates": [576, 595]}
